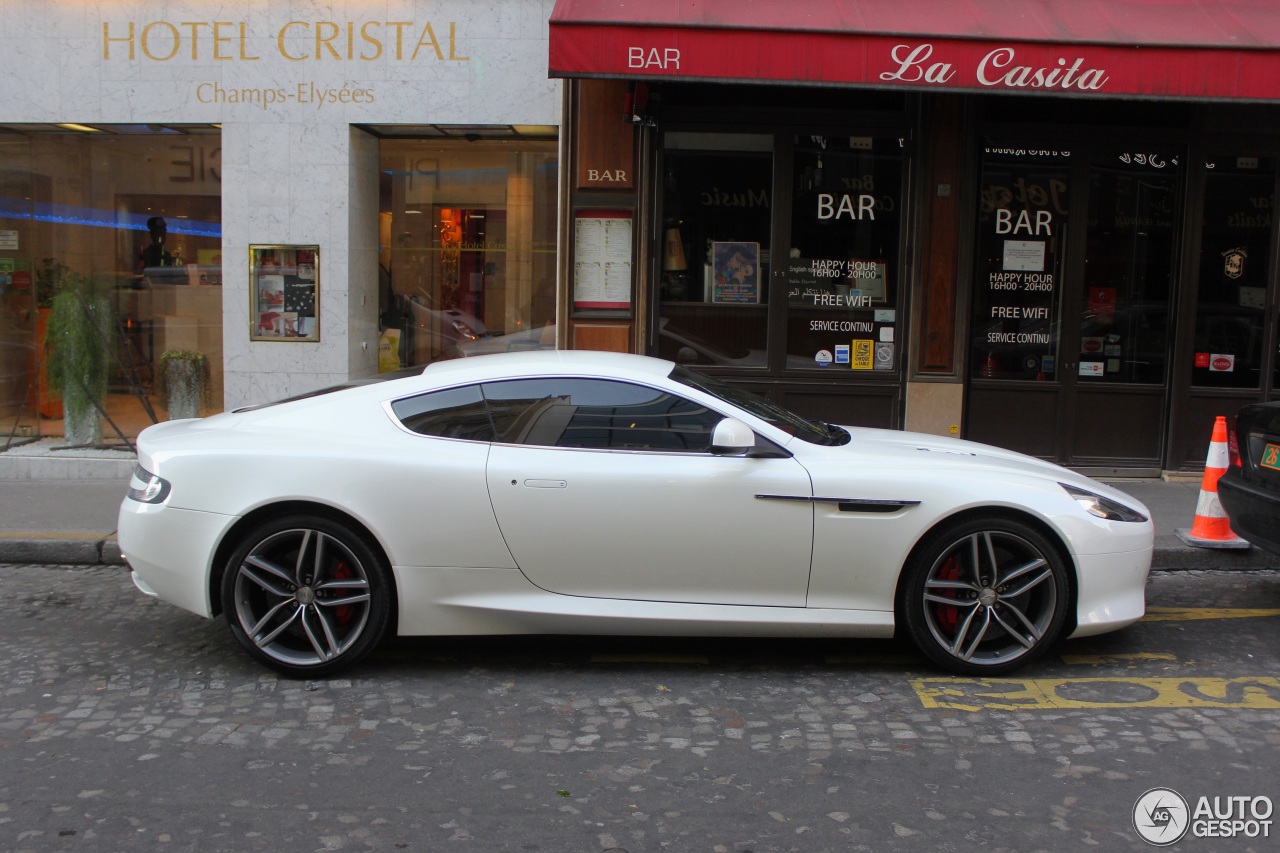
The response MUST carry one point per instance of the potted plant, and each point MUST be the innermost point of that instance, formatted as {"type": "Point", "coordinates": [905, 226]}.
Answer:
{"type": "Point", "coordinates": [79, 342]}
{"type": "Point", "coordinates": [51, 278]}
{"type": "Point", "coordinates": [185, 383]}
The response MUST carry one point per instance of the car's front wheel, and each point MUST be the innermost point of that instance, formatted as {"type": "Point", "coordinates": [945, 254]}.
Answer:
{"type": "Point", "coordinates": [985, 596]}
{"type": "Point", "coordinates": [307, 596]}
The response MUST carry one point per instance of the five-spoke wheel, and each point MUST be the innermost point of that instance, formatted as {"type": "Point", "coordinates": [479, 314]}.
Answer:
{"type": "Point", "coordinates": [306, 596]}
{"type": "Point", "coordinates": [985, 596]}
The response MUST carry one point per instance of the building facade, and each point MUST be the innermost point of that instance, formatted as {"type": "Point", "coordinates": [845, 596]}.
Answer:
{"type": "Point", "coordinates": [285, 188]}
{"type": "Point", "coordinates": [1046, 226]}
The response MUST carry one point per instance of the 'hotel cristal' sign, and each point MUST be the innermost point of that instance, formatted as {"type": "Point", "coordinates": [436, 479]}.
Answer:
{"type": "Point", "coordinates": [295, 41]}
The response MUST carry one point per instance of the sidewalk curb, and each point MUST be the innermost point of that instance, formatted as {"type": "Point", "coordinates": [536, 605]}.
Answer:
{"type": "Point", "coordinates": [1179, 558]}
{"type": "Point", "coordinates": [61, 549]}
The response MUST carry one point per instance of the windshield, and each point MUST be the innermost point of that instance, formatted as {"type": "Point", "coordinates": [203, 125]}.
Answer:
{"type": "Point", "coordinates": [814, 432]}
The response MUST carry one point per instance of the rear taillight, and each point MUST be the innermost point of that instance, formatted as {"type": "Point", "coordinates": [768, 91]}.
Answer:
{"type": "Point", "coordinates": [1233, 446]}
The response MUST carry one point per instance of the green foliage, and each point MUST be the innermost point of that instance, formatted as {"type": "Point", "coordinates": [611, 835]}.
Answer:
{"type": "Point", "coordinates": [199, 371]}
{"type": "Point", "coordinates": [52, 277]}
{"type": "Point", "coordinates": [80, 340]}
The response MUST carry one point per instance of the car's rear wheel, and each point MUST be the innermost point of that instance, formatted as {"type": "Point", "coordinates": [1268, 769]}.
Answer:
{"type": "Point", "coordinates": [985, 596]}
{"type": "Point", "coordinates": [307, 596]}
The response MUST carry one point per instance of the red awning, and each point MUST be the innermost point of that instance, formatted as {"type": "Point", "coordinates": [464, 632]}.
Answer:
{"type": "Point", "coordinates": [1200, 49]}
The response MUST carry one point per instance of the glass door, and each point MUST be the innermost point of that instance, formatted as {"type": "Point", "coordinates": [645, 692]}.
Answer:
{"type": "Point", "coordinates": [1023, 225]}
{"type": "Point", "coordinates": [1070, 334]}
{"type": "Point", "coordinates": [842, 268]}
{"type": "Point", "coordinates": [780, 262]}
{"type": "Point", "coordinates": [1231, 357]}
{"type": "Point", "coordinates": [1120, 303]}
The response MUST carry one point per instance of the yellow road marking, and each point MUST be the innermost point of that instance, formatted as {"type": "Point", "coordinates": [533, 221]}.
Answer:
{"type": "Point", "coordinates": [1015, 694]}
{"type": "Point", "coordinates": [1098, 660]}
{"type": "Point", "coordinates": [1188, 614]}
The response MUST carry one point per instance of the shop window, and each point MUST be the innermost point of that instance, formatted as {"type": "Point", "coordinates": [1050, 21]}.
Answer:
{"type": "Point", "coordinates": [1128, 273]}
{"type": "Point", "coordinates": [841, 266]}
{"type": "Point", "coordinates": [1022, 221]}
{"type": "Point", "coordinates": [128, 219]}
{"type": "Point", "coordinates": [716, 209]}
{"type": "Point", "coordinates": [1235, 263]}
{"type": "Point", "coordinates": [467, 248]}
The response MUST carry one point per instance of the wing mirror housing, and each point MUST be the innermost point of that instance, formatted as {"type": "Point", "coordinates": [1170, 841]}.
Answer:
{"type": "Point", "coordinates": [731, 437]}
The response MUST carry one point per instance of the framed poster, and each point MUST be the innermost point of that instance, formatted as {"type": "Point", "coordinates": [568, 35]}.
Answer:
{"type": "Point", "coordinates": [284, 293]}
{"type": "Point", "coordinates": [735, 273]}
{"type": "Point", "coordinates": [602, 259]}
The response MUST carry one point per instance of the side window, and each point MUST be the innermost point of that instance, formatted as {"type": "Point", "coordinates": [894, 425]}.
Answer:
{"type": "Point", "coordinates": [455, 413]}
{"type": "Point", "coordinates": [597, 414]}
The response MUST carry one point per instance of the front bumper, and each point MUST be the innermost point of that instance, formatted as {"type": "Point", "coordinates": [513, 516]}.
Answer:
{"type": "Point", "coordinates": [1113, 591]}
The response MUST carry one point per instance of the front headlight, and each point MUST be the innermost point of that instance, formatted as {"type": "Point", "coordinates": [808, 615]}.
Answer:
{"type": "Point", "coordinates": [1102, 507]}
{"type": "Point", "coordinates": [146, 487]}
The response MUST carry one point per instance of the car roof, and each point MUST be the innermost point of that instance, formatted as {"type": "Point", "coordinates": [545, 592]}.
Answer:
{"type": "Point", "coordinates": [537, 362]}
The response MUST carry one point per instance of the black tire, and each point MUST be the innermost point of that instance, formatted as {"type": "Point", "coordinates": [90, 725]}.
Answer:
{"type": "Point", "coordinates": [307, 596]}
{"type": "Point", "coordinates": [985, 596]}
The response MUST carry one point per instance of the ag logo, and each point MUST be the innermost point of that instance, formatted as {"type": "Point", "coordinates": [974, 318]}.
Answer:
{"type": "Point", "coordinates": [1161, 817]}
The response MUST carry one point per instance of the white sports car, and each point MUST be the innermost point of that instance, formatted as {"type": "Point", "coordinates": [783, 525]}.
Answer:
{"type": "Point", "coordinates": [601, 493]}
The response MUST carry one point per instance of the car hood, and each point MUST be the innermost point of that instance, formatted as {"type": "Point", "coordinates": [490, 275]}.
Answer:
{"type": "Point", "coordinates": [895, 449]}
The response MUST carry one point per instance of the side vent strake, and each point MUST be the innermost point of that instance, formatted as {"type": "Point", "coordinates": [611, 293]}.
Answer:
{"type": "Point", "coordinates": [871, 505]}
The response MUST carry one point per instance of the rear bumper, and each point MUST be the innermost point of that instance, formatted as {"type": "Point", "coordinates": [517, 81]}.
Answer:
{"type": "Point", "coordinates": [170, 551]}
{"type": "Point", "coordinates": [1253, 511]}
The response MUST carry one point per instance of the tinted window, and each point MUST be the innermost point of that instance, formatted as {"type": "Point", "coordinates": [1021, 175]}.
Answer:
{"type": "Point", "coordinates": [596, 413]}
{"type": "Point", "coordinates": [456, 413]}
{"type": "Point", "coordinates": [814, 432]}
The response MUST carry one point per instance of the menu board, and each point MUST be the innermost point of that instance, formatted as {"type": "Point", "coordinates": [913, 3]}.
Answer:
{"type": "Point", "coordinates": [602, 259]}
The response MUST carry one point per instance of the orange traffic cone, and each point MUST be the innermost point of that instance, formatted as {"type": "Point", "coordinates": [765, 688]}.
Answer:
{"type": "Point", "coordinates": [1211, 528]}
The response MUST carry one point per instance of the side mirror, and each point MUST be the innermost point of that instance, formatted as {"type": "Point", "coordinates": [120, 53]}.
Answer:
{"type": "Point", "coordinates": [731, 437]}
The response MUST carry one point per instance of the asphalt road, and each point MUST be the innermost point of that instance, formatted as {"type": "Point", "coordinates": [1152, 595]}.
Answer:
{"type": "Point", "coordinates": [128, 724]}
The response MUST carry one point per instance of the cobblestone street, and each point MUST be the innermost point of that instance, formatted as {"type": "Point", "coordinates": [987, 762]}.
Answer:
{"type": "Point", "coordinates": [126, 723]}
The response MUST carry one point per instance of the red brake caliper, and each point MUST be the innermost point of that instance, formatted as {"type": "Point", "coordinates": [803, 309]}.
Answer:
{"type": "Point", "coordinates": [948, 614]}
{"type": "Point", "coordinates": [343, 612]}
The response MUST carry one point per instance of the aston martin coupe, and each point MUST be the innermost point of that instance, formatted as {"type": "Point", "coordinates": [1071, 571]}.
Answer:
{"type": "Point", "coordinates": [602, 493]}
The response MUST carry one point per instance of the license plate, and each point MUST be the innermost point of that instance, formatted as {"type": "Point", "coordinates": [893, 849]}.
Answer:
{"type": "Point", "coordinates": [1270, 457]}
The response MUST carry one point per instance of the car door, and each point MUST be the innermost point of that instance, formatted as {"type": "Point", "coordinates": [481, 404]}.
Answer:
{"type": "Point", "coordinates": [608, 489]}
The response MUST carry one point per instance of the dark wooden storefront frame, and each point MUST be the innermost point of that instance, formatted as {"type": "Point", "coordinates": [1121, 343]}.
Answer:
{"type": "Point", "coordinates": [1186, 422]}
{"type": "Point", "coordinates": [849, 398]}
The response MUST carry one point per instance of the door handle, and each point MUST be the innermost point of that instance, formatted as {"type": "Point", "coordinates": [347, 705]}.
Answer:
{"type": "Point", "coordinates": [546, 484]}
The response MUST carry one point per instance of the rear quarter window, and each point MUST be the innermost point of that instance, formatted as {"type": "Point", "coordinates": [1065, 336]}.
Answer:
{"type": "Point", "coordinates": [452, 413]}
